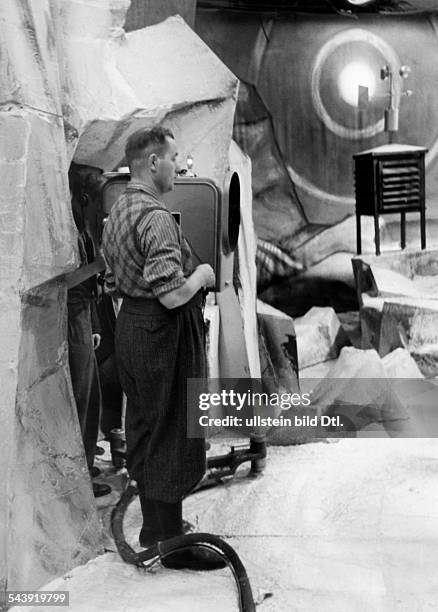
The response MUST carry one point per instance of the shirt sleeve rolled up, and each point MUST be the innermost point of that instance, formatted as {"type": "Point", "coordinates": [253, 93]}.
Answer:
{"type": "Point", "coordinates": [160, 242]}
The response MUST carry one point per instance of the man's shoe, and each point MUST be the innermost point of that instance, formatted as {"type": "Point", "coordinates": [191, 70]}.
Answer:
{"type": "Point", "coordinates": [100, 489]}
{"type": "Point", "coordinates": [95, 471]}
{"type": "Point", "coordinates": [198, 559]}
{"type": "Point", "coordinates": [148, 537]}
{"type": "Point", "coordinates": [194, 558]}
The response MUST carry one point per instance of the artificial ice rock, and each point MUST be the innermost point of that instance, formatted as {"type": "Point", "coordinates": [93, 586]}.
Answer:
{"type": "Point", "coordinates": [400, 364]}
{"type": "Point", "coordinates": [339, 238]}
{"type": "Point", "coordinates": [412, 324]}
{"type": "Point", "coordinates": [357, 388]}
{"type": "Point", "coordinates": [319, 336]}
{"type": "Point", "coordinates": [74, 86]}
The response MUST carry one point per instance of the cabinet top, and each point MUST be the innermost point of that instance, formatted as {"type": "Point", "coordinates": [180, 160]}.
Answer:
{"type": "Point", "coordinates": [390, 149]}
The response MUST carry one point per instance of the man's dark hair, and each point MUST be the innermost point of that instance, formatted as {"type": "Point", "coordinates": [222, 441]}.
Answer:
{"type": "Point", "coordinates": [143, 139]}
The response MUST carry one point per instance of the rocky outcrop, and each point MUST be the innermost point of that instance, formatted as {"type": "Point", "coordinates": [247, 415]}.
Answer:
{"type": "Point", "coordinates": [320, 336]}
{"type": "Point", "coordinates": [398, 295]}
{"type": "Point", "coordinates": [74, 85]}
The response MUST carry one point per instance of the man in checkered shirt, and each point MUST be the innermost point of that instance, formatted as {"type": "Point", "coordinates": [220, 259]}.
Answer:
{"type": "Point", "coordinates": [159, 340]}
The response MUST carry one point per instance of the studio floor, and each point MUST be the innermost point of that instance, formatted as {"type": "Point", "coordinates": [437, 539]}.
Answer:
{"type": "Point", "coordinates": [347, 525]}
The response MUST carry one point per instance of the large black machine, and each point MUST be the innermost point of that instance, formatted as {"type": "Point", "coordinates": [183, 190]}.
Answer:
{"type": "Point", "coordinates": [209, 217]}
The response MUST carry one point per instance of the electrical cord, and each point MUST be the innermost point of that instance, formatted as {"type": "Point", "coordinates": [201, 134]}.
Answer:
{"type": "Point", "coordinates": [148, 557]}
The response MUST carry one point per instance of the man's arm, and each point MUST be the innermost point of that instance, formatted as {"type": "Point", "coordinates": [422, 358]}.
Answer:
{"type": "Point", "coordinates": [202, 277]}
{"type": "Point", "coordinates": [163, 272]}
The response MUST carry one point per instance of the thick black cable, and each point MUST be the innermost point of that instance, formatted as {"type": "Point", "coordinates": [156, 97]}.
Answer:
{"type": "Point", "coordinates": [153, 554]}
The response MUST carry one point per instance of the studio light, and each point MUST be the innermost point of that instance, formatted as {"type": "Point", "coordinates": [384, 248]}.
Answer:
{"type": "Point", "coordinates": [351, 5]}
{"type": "Point", "coordinates": [353, 75]}
{"type": "Point", "coordinates": [360, 2]}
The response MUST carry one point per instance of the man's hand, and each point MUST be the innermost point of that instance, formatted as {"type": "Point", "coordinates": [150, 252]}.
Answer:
{"type": "Point", "coordinates": [96, 341]}
{"type": "Point", "coordinates": [201, 278]}
{"type": "Point", "coordinates": [208, 275]}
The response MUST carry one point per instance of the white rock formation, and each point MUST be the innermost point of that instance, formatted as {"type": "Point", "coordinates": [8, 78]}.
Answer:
{"type": "Point", "coordinates": [319, 336]}
{"type": "Point", "coordinates": [400, 364]}
{"type": "Point", "coordinates": [74, 85]}
{"type": "Point", "coordinates": [247, 246]}
{"type": "Point", "coordinates": [413, 324]}
{"type": "Point", "coordinates": [398, 295]}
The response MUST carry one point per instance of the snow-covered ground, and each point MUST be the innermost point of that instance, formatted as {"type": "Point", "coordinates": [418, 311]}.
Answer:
{"type": "Point", "coordinates": [347, 525]}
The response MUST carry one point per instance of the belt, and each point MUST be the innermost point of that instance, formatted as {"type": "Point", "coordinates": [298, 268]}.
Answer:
{"type": "Point", "coordinates": [137, 305]}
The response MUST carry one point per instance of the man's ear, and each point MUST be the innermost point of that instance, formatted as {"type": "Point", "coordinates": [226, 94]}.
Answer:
{"type": "Point", "coordinates": [153, 162]}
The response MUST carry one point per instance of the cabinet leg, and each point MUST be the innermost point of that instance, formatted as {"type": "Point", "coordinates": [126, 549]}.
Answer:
{"type": "Point", "coordinates": [377, 233]}
{"type": "Point", "coordinates": [403, 230]}
{"type": "Point", "coordinates": [423, 228]}
{"type": "Point", "coordinates": [358, 235]}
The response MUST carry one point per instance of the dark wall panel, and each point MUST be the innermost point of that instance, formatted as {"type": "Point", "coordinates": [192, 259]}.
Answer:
{"type": "Point", "coordinates": [142, 13]}
{"type": "Point", "coordinates": [300, 60]}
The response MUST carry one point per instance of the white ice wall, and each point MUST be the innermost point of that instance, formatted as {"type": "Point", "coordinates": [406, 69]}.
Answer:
{"type": "Point", "coordinates": [73, 85]}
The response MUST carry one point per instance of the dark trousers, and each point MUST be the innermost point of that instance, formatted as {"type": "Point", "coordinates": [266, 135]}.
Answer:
{"type": "Point", "coordinates": [84, 375]}
{"type": "Point", "coordinates": [157, 350]}
{"type": "Point", "coordinates": [112, 396]}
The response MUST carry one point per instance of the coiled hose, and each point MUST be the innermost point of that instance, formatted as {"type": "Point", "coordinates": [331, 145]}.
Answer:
{"type": "Point", "coordinates": [159, 550]}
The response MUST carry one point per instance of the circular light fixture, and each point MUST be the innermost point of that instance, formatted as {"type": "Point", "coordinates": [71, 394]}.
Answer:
{"type": "Point", "coordinates": [353, 75]}
{"type": "Point", "coordinates": [354, 4]}
{"type": "Point", "coordinates": [348, 36]}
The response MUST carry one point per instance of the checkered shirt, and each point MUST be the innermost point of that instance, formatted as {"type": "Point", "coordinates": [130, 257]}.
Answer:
{"type": "Point", "coordinates": [146, 256]}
